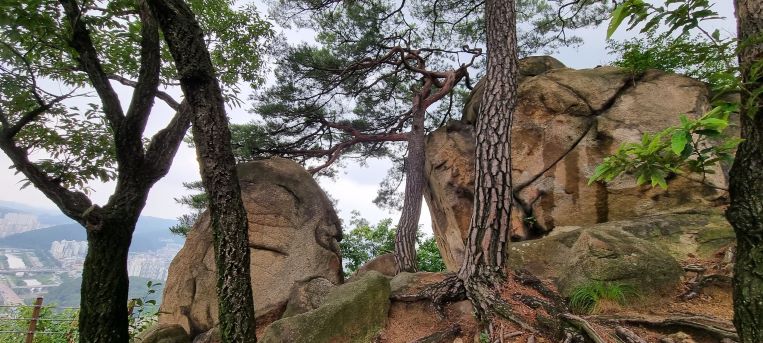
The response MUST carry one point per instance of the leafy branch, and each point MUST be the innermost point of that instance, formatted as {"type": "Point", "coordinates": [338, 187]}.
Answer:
{"type": "Point", "coordinates": [677, 150]}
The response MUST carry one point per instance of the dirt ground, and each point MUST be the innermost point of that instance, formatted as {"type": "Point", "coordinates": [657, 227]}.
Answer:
{"type": "Point", "coordinates": [662, 318]}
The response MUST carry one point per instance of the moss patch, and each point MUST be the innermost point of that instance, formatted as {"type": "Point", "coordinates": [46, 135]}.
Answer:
{"type": "Point", "coordinates": [353, 312]}
{"type": "Point", "coordinates": [711, 239]}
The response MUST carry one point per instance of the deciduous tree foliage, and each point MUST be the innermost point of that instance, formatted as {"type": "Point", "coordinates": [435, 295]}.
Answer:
{"type": "Point", "coordinates": [82, 47]}
{"type": "Point", "coordinates": [365, 242]}
{"type": "Point", "coordinates": [694, 56]}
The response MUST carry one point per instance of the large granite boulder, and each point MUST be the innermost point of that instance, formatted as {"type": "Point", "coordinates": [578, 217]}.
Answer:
{"type": "Point", "coordinates": [307, 295]}
{"type": "Point", "coordinates": [528, 67]}
{"type": "Point", "coordinates": [384, 264]}
{"type": "Point", "coordinates": [683, 235]}
{"type": "Point", "coordinates": [293, 236]}
{"type": "Point", "coordinates": [353, 312]}
{"type": "Point", "coordinates": [566, 122]}
{"type": "Point", "coordinates": [597, 253]}
{"type": "Point", "coordinates": [163, 333]}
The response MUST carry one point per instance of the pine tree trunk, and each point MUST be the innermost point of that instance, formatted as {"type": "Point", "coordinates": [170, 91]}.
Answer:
{"type": "Point", "coordinates": [485, 257]}
{"type": "Point", "coordinates": [745, 213]}
{"type": "Point", "coordinates": [103, 303]}
{"type": "Point", "coordinates": [407, 227]}
{"type": "Point", "coordinates": [218, 167]}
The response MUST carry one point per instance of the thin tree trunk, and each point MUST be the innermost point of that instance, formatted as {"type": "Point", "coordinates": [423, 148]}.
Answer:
{"type": "Point", "coordinates": [218, 170]}
{"type": "Point", "coordinates": [407, 227]}
{"type": "Point", "coordinates": [745, 213]}
{"type": "Point", "coordinates": [483, 265]}
{"type": "Point", "coordinates": [103, 303]}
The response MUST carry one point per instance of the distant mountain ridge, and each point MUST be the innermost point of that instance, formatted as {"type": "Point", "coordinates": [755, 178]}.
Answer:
{"type": "Point", "coordinates": [46, 216]}
{"type": "Point", "coordinates": [151, 233]}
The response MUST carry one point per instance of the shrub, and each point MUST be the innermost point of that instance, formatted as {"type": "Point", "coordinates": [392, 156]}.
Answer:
{"type": "Point", "coordinates": [366, 241]}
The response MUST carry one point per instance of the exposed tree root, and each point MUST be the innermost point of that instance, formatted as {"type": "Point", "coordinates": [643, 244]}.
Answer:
{"type": "Point", "coordinates": [628, 336]}
{"type": "Point", "coordinates": [714, 327]}
{"type": "Point", "coordinates": [552, 314]}
{"type": "Point", "coordinates": [512, 334]}
{"type": "Point", "coordinates": [498, 306]}
{"type": "Point", "coordinates": [481, 294]}
{"type": "Point", "coordinates": [443, 336]}
{"type": "Point", "coordinates": [525, 278]}
{"type": "Point", "coordinates": [450, 289]}
{"type": "Point", "coordinates": [584, 326]}
{"type": "Point", "coordinates": [701, 281]}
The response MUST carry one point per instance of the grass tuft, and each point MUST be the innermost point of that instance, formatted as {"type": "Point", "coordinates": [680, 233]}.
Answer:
{"type": "Point", "coordinates": [586, 298]}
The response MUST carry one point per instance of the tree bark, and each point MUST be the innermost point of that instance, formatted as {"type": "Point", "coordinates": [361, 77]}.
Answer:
{"type": "Point", "coordinates": [745, 213]}
{"type": "Point", "coordinates": [218, 170]}
{"type": "Point", "coordinates": [103, 304]}
{"type": "Point", "coordinates": [407, 227]}
{"type": "Point", "coordinates": [485, 257]}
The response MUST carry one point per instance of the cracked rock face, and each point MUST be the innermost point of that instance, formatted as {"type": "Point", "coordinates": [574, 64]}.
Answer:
{"type": "Point", "coordinates": [293, 236]}
{"type": "Point", "coordinates": [566, 122]}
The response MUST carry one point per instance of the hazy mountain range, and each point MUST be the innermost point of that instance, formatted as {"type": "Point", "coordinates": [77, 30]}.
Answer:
{"type": "Point", "coordinates": [151, 233]}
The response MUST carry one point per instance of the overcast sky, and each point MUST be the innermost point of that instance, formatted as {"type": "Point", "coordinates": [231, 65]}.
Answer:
{"type": "Point", "coordinates": [354, 189]}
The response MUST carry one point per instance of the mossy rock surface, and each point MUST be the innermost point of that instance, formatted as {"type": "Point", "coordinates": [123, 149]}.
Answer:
{"type": "Point", "coordinates": [612, 255]}
{"type": "Point", "coordinates": [682, 234]}
{"type": "Point", "coordinates": [164, 333]}
{"type": "Point", "coordinates": [352, 312]}
{"type": "Point", "coordinates": [583, 255]}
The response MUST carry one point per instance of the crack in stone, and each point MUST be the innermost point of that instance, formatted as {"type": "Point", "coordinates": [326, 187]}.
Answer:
{"type": "Point", "coordinates": [611, 101]}
{"type": "Point", "coordinates": [606, 107]}
{"type": "Point", "coordinates": [268, 248]}
{"type": "Point", "coordinates": [536, 230]}
{"type": "Point", "coordinates": [293, 194]}
{"type": "Point", "coordinates": [626, 87]}
{"type": "Point", "coordinates": [518, 188]}
{"type": "Point", "coordinates": [576, 93]}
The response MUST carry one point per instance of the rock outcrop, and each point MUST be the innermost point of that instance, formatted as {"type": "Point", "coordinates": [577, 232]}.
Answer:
{"type": "Point", "coordinates": [607, 254]}
{"type": "Point", "coordinates": [307, 296]}
{"type": "Point", "coordinates": [293, 236]}
{"type": "Point", "coordinates": [566, 122]}
{"type": "Point", "coordinates": [384, 264]}
{"type": "Point", "coordinates": [683, 235]}
{"type": "Point", "coordinates": [354, 312]}
{"type": "Point", "coordinates": [163, 333]}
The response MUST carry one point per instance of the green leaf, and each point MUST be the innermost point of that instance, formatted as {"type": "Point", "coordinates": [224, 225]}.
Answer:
{"type": "Point", "coordinates": [641, 179]}
{"type": "Point", "coordinates": [678, 141]}
{"type": "Point", "coordinates": [684, 121]}
{"type": "Point", "coordinates": [714, 123]}
{"type": "Point", "coordinates": [618, 15]}
{"type": "Point", "coordinates": [717, 35]}
{"type": "Point", "coordinates": [658, 179]}
{"type": "Point", "coordinates": [598, 172]}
